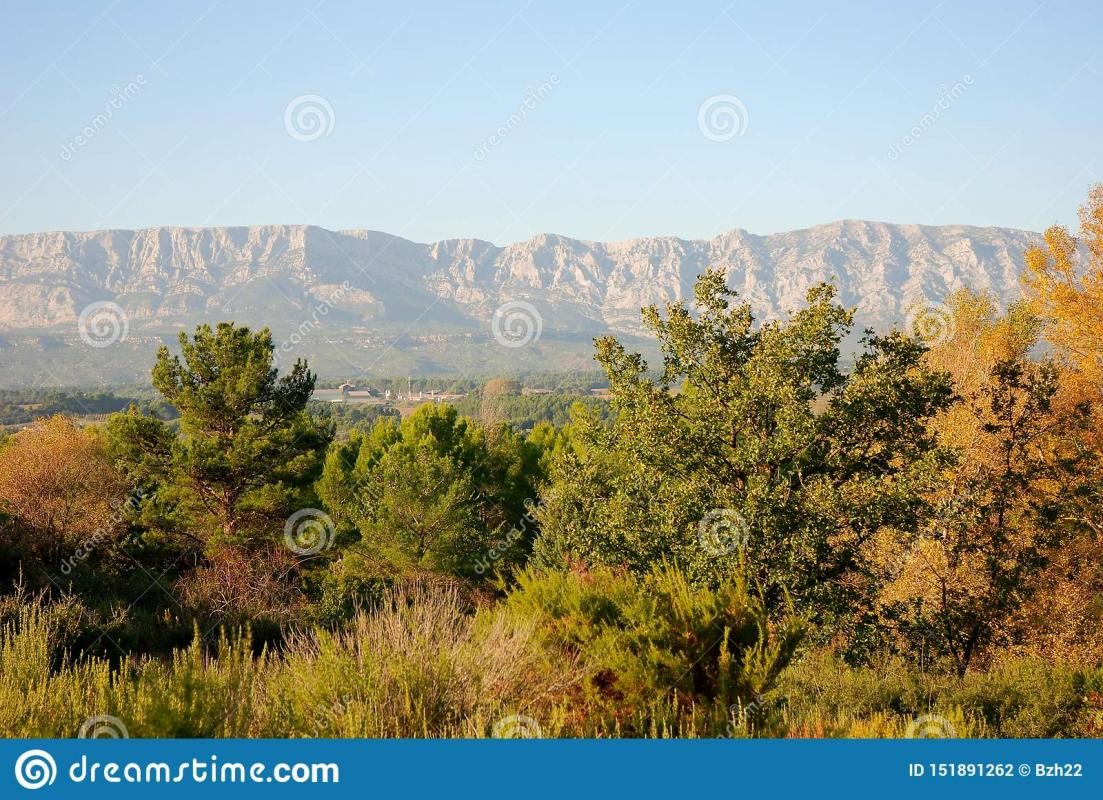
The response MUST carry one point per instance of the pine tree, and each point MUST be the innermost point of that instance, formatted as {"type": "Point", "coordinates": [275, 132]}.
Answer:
{"type": "Point", "coordinates": [247, 451]}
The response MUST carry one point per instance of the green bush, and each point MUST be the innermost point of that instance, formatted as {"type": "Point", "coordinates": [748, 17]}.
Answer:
{"type": "Point", "coordinates": [420, 665]}
{"type": "Point", "coordinates": [646, 640]}
{"type": "Point", "coordinates": [348, 585]}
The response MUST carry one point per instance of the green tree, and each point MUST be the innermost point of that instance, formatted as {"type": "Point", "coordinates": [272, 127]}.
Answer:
{"type": "Point", "coordinates": [753, 443]}
{"type": "Point", "coordinates": [436, 491]}
{"type": "Point", "coordinates": [421, 509]}
{"type": "Point", "coordinates": [246, 452]}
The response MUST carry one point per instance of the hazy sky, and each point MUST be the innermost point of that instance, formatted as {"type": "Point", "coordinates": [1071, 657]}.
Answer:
{"type": "Point", "coordinates": [590, 119]}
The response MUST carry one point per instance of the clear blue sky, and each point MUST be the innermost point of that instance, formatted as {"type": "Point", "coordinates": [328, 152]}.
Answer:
{"type": "Point", "coordinates": [609, 146]}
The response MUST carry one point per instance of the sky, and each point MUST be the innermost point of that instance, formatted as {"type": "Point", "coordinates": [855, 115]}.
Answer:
{"type": "Point", "coordinates": [502, 120]}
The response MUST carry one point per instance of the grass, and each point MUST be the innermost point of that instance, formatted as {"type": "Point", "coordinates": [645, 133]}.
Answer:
{"type": "Point", "coordinates": [425, 664]}
{"type": "Point", "coordinates": [419, 666]}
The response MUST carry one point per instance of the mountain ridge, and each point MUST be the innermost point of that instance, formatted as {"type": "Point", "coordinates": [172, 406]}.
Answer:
{"type": "Point", "coordinates": [375, 285]}
{"type": "Point", "coordinates": [352, 231]}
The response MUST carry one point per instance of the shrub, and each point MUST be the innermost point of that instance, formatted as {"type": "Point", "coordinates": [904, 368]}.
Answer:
{"type": "Point", "coordinates": [419, 666]}
{"type": "Point", "coordinates": [582, 654]}
{"type": "Point", "coordinates": [646, 639]}
{"type": "Point", "coordinates": [238, 585]}
{"type": "Point", "coordinates": [1020, 697]}
{"type": "Point", "coordinates": [348, 585]}
{"type": "Point", "coordinates": [60, 496]}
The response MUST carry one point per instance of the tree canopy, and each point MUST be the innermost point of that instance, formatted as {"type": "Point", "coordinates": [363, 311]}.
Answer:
{"type": "Point", "coordinates": [754, 445]}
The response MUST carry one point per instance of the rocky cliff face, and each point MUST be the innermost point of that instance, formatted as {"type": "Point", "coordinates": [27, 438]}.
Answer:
{"type": "Point", "coordinates": [171, 277]}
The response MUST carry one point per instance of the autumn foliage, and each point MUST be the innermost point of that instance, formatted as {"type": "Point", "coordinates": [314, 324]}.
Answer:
{"type": "Point", "coordinates": [764, 533]}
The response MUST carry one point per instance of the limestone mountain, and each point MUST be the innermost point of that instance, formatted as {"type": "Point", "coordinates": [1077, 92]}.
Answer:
{"type": "Point", "coordinates": [379, 290]}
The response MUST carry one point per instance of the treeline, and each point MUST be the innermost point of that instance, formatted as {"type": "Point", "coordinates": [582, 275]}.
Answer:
{"type": "Point", "coordinates": [346, 417]}
{"type": "Point", "coordinates": [484, 405]}
{"type": "Point", "coordinates": [493, 404]}
{"type": "Point", "coordinates": [560, 382]}
{"type": "Point", "coordinates": [743, 542]}
{"type": "Point", "coordinates": [21, 406]}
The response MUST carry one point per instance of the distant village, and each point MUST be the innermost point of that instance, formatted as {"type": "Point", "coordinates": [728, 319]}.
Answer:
{"type": "Point", "coordinates": [352, 394]}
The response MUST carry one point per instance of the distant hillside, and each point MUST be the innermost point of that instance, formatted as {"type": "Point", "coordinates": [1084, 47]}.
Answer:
{"type": "Point", "coordinates": [371, 302]}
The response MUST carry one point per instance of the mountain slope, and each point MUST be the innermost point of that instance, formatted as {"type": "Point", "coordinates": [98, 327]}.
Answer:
{"type": "Point", "coordinates": [373, 285]}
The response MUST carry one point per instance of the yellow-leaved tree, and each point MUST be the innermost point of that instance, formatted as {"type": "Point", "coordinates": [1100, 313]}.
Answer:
{"type": "Point", "coordinates": [1002, 509]}
{"type": "Point", "coordinates": [60, 495]}
{"type": "Point", "coordinates": [1064, 283]}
